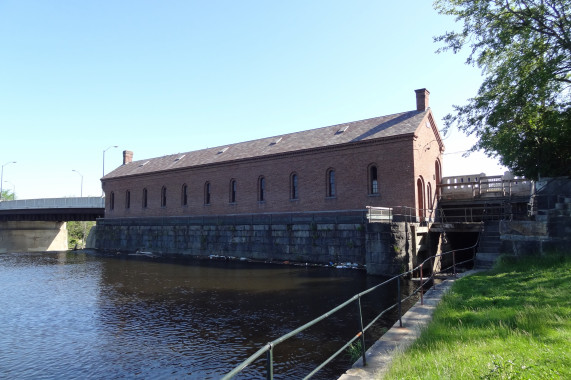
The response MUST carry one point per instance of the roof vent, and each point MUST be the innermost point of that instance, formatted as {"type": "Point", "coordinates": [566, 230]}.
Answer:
{"type": "Point", "coordinates": [277, 141]}
{"type": "Point", "coordinates": [180, 158]}
{"type": "Point", "coordinates": [144, 163]}
{"type": "Point", "coordinates": [223, 150]}
{"type": "Point", "coordinates": [343, 129]}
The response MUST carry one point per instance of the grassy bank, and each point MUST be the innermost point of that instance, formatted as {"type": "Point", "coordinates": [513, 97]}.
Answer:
{"type": "Point", "coordinates": [513, 322]}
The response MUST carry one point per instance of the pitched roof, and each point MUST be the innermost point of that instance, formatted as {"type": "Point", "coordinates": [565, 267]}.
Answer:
{"type": "Point", "coordinates": [370, 129]}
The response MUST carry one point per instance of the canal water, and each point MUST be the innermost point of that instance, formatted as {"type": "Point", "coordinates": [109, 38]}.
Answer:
{"type": "Point", "coordinates": [84, 315]}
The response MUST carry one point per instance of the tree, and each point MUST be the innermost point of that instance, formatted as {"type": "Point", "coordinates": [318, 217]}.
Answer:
{"type": "Point", "coordinates": [522, 111]}
{"type": "Point", "coordinates": [7, 195]}
{"type": "Point", "coordinates": [77, 233]}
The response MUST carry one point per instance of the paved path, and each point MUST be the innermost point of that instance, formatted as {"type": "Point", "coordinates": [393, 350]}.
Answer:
{"type": "Point", "coordinates": [397, 339]}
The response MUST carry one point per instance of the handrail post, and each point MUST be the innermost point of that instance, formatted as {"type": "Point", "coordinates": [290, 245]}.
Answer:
{"type": "Point", "coordinates": [399, 301]}
{"type": "Point", "coordinates": [421, 286]}
{"type": "Point", "coordinates": [362, 333]}
{"type": "Point", "coordinates": [270, 363]}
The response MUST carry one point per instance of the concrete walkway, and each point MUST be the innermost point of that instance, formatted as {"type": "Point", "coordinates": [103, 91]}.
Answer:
{"type": "Point", "coordinates": [398, 339]}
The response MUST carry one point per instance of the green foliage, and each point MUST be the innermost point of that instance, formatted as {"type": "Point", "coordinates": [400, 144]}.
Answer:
{"type": "Point", "coordinates": [77, 233]}
{"type": "Point", "coordinates": [522, 112]}
{"type": "Point", "coordinates": [513, 322]}
{"type": "Point", "coordinates": [355, 351]}
{"type": "Point", "coordinates": [7, 195]}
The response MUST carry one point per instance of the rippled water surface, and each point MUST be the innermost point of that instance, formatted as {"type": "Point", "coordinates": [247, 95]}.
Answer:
{"type": "Point", "coordinates": [82, 315]}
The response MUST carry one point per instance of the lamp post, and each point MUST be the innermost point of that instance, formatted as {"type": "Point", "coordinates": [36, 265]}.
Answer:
{"type": "Point", "coordinates": [105, 150]}
{"type": "Point", "coordinates": [81, 193]}
{"type": "Point", "coordinates": [13, 189]}
{"type": "Point", "coordinates": [2, 177]}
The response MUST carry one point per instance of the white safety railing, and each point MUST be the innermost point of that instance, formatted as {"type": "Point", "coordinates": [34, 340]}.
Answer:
{"type": "Point", "coordinates": [481, 186]}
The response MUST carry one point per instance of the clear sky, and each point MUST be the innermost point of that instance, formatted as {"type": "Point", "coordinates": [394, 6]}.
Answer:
{"type": "Point", "coordinates": [163, 77]}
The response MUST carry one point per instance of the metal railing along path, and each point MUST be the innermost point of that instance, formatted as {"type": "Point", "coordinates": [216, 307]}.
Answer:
{"type": "Point", "coordinates": [360, 335]}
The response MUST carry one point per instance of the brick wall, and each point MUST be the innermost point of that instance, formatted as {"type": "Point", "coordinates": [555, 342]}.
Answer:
{"type": "Point", "coordinates": [400, 162]}
{"type": "Point", "coordinates": [395, 174]}
{"type": "Point", "coordinates": [426, 153]}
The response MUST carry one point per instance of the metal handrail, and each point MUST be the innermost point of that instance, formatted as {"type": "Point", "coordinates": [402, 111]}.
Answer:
{"type": "Point", "coordinates": [472, 214]}
{"type": "Point", "coordinates": [268, 348]}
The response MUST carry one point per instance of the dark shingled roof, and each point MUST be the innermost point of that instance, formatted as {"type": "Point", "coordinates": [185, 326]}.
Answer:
{"type": "Point", "coordinates": [370, 129]}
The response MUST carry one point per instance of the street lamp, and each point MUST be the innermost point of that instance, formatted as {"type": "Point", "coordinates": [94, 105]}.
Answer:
{"type": "Point", "coordinates": [81, 193]}
{"type": "Point", "coordinates": [13, 189]}
{"type": "Point", "coordinates": [105, 150]}
{"type": "Point", "coordinates": [2, 177]}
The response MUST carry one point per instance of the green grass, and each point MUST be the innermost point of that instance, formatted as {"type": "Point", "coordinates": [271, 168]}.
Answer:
{"type": "Point", "coordinates": [513, 322]}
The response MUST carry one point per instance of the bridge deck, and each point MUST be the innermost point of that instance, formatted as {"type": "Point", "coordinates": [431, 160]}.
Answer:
{"type": "Point", "coordinates": [53, 209]}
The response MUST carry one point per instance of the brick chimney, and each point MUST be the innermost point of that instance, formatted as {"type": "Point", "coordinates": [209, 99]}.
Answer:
{"type": "Point", "coordinates": [127, 157]}
{"type": "Point", "coordinates": [422, 96]}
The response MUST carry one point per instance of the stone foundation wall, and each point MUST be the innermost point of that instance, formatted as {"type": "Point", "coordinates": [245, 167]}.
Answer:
{"type": "Point", "coordinates": [313, 241]}
{"type": "Point", "coordinates": [384, 248]}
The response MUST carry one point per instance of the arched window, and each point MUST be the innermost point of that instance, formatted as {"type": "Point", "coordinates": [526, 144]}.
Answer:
{"type": "Point", "coordinates": [233, 191]}
{"type": "Point", "coordinates": [437, 175]}
{"type": "Point", "coordinates": [330, 182]}
{"type": "Point", "coordinates": [420, 195]}
{"type": "Point", "coordinates": [145, 193]}
{"type": "Point", "coordinates": [207, 193]}
{"type": "Point", "coordinates": [373, 180]}
{"type": "Point", "coordinates": [112, 201]}
{"type": "Point", "coordinates": [184, 195]}
{"type": "Point", "coordinates": [261, 189]}
{"type": "Point", "coordinates": [127, 199]}
{"type": "Point", "coordinates": [294, 193]}
{"type": "Point", "coordinates": [164, 197]}
{"type": "Point", "coordinates": [429, 199]}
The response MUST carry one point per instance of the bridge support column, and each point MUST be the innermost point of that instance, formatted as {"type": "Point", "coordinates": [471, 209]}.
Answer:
{"type": "Point", "coordinates": [18, 236]}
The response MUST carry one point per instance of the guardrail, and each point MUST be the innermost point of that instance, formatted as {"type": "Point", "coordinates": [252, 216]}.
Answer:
{"type": "Point", "coordinates": [466, 187]}
{"type": "Point", "coordinates": [471, 214]}
{"type": "Point", "coordinates": [268, 349]}
{"type": "Point", "coordinates": [74, 202]}
{"type": "Point", "coordinates": [401, 214]}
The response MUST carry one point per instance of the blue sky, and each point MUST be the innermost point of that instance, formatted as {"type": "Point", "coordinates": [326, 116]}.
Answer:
{"type": "Point", "coordinates": [162, 77]}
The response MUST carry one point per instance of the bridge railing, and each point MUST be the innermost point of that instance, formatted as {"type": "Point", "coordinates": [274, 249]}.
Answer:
{"type": "Point", "coordinates": [401, 214]}
{"type": "Point", "coordinates": [76, 202]}
{"type": "Point", "coordinates": [420, 270]}
{"type": "Point", "coordinates": [469, 214]}
{"type": "Point", "coordinates": [479, 185]}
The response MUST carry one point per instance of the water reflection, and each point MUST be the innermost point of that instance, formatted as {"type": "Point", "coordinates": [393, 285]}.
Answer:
{"type": "Point", "coordinates": [77, 315]}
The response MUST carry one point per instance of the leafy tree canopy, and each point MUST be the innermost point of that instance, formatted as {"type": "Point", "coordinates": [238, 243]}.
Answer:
{"type": "Point", "coordinates": [522, 112]}
{"type": "Point", "coordinates": [7, 195]}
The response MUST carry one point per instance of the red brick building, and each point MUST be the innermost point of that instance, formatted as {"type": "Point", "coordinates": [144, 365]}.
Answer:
{"type": "Point", "coordinates": [387, 161]}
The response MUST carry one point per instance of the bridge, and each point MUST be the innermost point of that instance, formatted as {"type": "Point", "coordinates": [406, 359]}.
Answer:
{"type": "Point", "coordinates": [53, 209]}
{"type": "Point", "coordinates": [37, 225]}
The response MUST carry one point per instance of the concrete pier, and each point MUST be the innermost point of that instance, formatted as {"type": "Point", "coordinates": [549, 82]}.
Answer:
{"type": "Point", "coordinates": [24, 236]}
